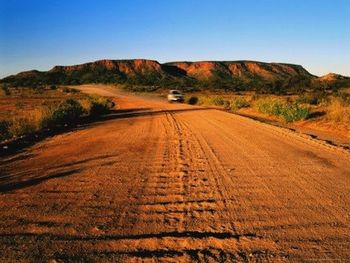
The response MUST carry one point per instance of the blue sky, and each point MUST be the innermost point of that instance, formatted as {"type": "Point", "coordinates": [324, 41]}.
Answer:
{"type": "Point", "coordinates": [38, 34]}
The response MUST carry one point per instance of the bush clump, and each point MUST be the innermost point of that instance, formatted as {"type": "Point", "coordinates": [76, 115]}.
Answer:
{"type": "Point", "coordinates": [191, 100]}
{"type": "Point", "coordinates": [294, 112]}
{"type": "Point", "coordinates": [66, 112]}
{"type": "Point", "coordinates": [100, 105]}
{"type": "Point", "coordinates": [270, 106]}
{"type": "Point", "coordinates": [288, 111]}
{"type": "Point", "coordinates": [239, 103]}
{"type": "Point", "coordinates": [95, 105]}
{"type": "Point", "coordinates": [217, 101]}
{"type": "Point", "coordinates": [338, 111]}
{"type": "Point", "coordinates": [21, 125]}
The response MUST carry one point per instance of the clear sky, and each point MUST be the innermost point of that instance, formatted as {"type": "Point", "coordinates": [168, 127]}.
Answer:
{"type": "Point", "coordinates": [38, 34]}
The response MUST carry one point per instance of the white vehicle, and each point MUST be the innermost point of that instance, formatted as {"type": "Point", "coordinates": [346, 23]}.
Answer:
{"type": "Point", "coordinates": [175, 96]}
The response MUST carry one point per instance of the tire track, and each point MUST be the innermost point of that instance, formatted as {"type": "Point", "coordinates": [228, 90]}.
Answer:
{"type": "Point", "coordinates": [188, 199]}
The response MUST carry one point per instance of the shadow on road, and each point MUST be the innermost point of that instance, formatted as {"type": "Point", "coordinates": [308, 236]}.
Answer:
{"type": "Point", "coordinates": [9, 183]}
{"type": "Point", "coordinates": [12, 181]}
{"type": "Point", "coordinates": [21, 144]}
{"type": "Point", "coordinates": [18, 149]}
{"type": "Point", "coordinates": [145, 112]}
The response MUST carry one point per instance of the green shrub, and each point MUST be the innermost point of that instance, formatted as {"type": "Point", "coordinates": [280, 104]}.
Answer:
{"type": "Point", "coordinates": [97, 105]}
{"type": "Point", "coordinates": [239, 103]}
{"type": "Point", "coordinates": [66, 112]}
{"type": "Point", "coordinates": [217, 101]}
{"type": "Point", "coordinates": [288, 111]}
{"type": "Point", "coordinates": [192, 100]}
{"type": "Point", "coordinates": [270, 106]}
{"type": "Point", "coordinates": [294, 112]}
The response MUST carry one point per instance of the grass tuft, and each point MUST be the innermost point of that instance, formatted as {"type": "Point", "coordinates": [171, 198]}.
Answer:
{"type": "Point", "coordinates": [238, 103]}
{"type": "Point", "coordinates": [217, 101]}
{"type": "Point", "coordinates": [338, 111]}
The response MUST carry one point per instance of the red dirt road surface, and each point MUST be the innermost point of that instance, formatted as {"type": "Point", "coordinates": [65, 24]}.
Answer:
{"type": "Point", "coordinates": [159, 182]}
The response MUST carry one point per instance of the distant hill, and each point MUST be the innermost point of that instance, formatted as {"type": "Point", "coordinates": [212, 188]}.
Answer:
{"type": "Point", "coordinates": [231, 75]}
{"type": "Point", "coordinates": [240, 69]}
{"type": "Point", "coordinates": [333, 77]}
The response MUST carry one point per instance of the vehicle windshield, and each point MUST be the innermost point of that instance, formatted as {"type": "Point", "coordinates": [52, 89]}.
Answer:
{"type": "Point", "coordinates": [175, 92]}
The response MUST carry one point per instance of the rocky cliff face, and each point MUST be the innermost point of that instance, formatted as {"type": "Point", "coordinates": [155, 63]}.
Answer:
{"type": "Point", "coordinates": [197, 70]}
{"type": "Point", "coordinates": [240, 69]}
{"type": "Point", "coordinates": [127, 67]}
{"type": "Point", "coordinates": [225, 74]}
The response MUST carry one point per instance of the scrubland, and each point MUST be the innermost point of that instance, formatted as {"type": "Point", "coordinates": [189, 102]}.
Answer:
{"type": "Point", "coordinates": [26, 111]}
{"type": "Point", "coordinates": [321, 110]}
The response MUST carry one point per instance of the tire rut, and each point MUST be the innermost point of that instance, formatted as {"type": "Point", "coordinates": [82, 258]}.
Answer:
{"type": "Point", "coordinates": [186, 198]}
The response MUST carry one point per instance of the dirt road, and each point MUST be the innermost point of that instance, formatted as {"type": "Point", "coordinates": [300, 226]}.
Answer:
{"type": "Point", "coordinates": [163, 182]}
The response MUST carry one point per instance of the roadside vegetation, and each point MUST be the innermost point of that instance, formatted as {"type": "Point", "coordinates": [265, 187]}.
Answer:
{"type": "Point", "coordinates": [27, 111]}
{"type": "Point", "coordinates": [331, 107]}
{"type": "Point", "coordinates": [338, 111]}
{"type": "Point", "coordinates": [288, 111]}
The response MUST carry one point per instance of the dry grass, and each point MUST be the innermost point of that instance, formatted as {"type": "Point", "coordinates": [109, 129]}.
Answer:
{"type": "Point", "coordinates": [25, 123]}
{"type": "Point", "coordinates": [27, 111]}
{"type": "Point", "coordinates": [96, 105]}
{"type": "Point", "coordinates": [338, 112]}
{"type": "Point", "coordinates": [286, 108]}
